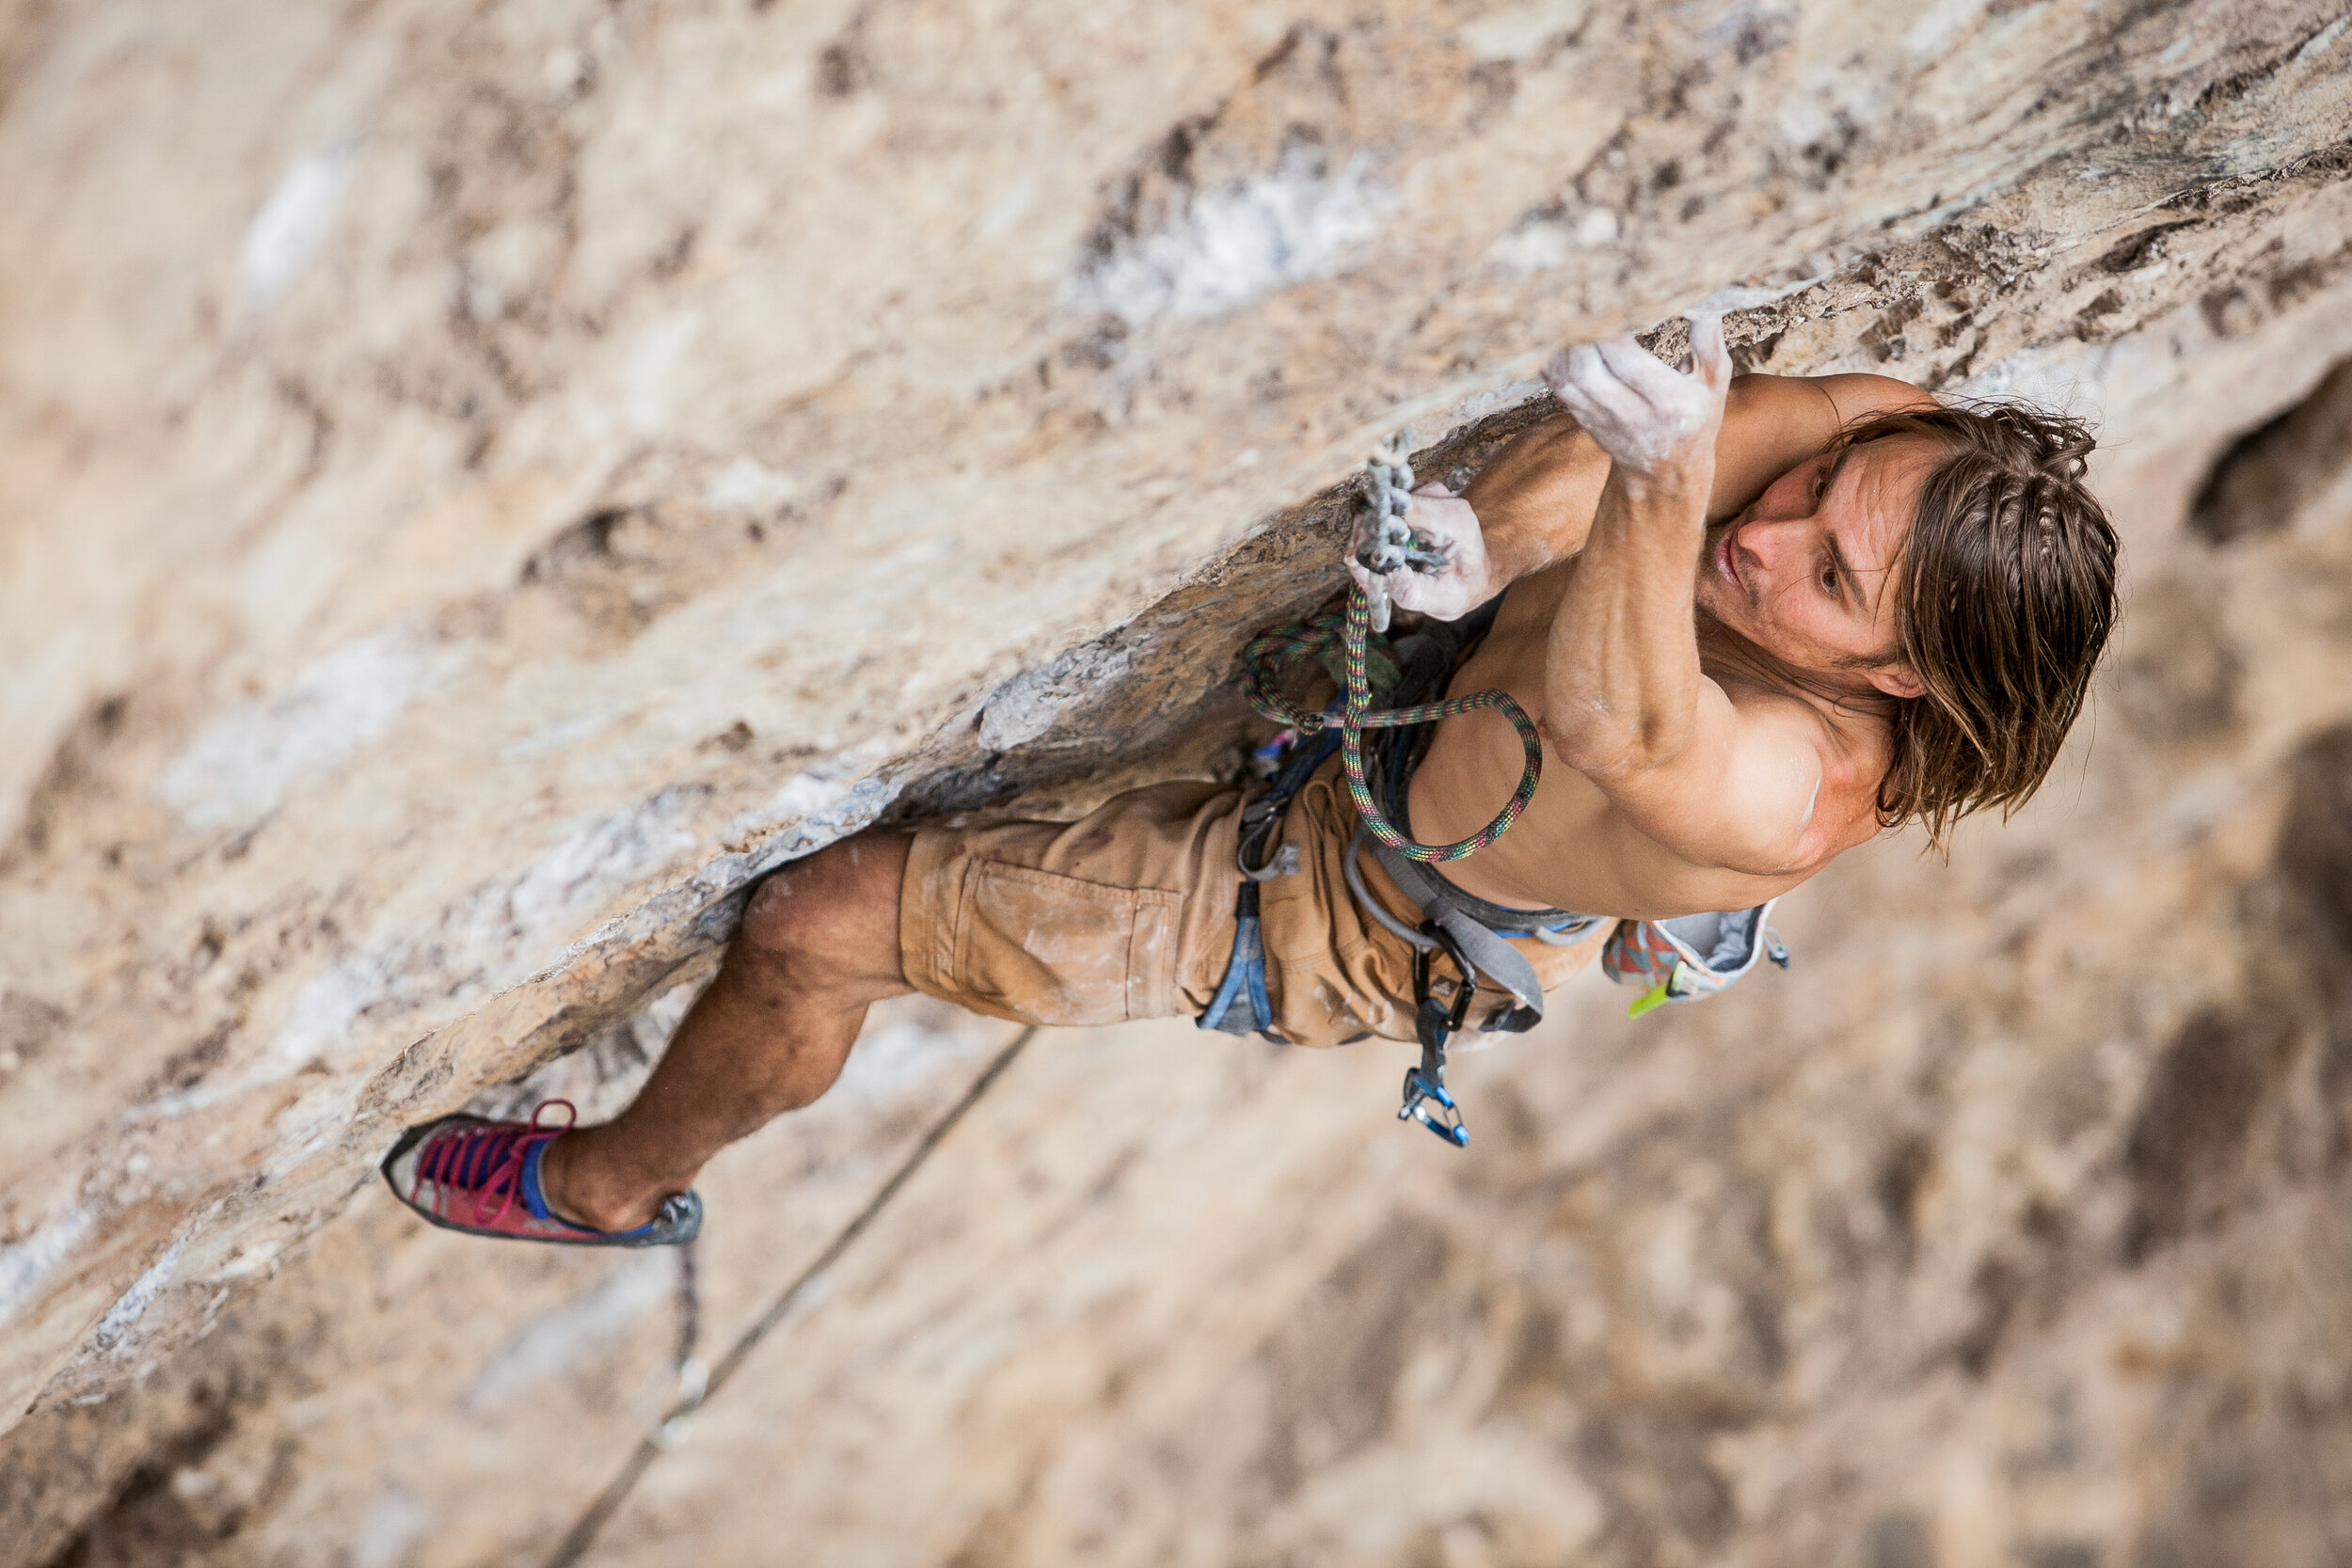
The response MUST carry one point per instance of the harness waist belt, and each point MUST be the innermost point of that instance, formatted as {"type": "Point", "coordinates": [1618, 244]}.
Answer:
{"type": "Point", "coordinates": [1426, 886]}
{"type": "Point", "coordinates": [1473, 924]}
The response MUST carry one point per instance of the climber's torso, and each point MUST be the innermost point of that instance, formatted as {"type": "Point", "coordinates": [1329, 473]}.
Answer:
{"type": "Point", "coordinates": [1573, 848]}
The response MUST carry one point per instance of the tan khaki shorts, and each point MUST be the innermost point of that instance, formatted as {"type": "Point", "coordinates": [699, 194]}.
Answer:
{"type": "Point", "coordinates": [1128, 913]}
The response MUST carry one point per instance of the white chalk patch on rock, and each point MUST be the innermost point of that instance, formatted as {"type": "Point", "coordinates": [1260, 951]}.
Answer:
{"type": "Point", "coordinates": [599, 860]}
{"type": "Point", "coordinates": [2319, 42]}
{"type": "Point", "coordinates": [1537, 246]}
{"type": "Point", "coordinates": [391, 1531]}
{"type": "Point", "coordinates": [1231, 247]}
{"type": "Point", "coordinates": [1522, 31]}
{"type": "Point", "coordinates": [1026, 706]}
{"type": "Point", "coordinates": [659, 361]}
{"type": "Point", "coordinates": [557, 736]}
{"type": "Point", "coordinates": [804, 794]}
{"type": "Point", "coordinates": [25, 1264]}
{"type": "Point", "coordinates": [747, 486]}
{"type": "Point", "coordinates": [326, 1007]}
{"type": "Point", "coordinates": [123, 1316]}
{"type": "Point", "coordinates": [2053, 377]}
{"type": "Point", "coordinates": [583, 872]}
{"type": "Point", "coordinates": [827, 801]}
{"type": "Point", "coordinates": [302, 1129]}
{"type": "Point", "coordinates": [1478, 405]}
{"type": "Point", "coordinates": [293, 221]}
{"type": "Point", "coordinates": [239, 766]}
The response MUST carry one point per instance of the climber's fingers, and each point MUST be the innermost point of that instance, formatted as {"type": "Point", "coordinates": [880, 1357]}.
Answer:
{"type": "Point", "coordinates": [1642, 373]}
{"type": "Point", "coordinates": [1442, 518]}
{"type": "Point", "coordinates": [1710, 358]}
{"type": "Point", "coordinates": [1441, 521]}
{"type": "Point", "coordinates": [1562, 371]}
{"type": "Point", "coordinates": [1644, 415]}
{"type": "Point", "coordinates": [1647, 416]}
{"type": "Point", "coordinates": [1589, 388]}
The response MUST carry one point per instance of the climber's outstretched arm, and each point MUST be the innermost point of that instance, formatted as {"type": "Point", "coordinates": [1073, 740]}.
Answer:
{"type": "Point", "coordinates": [1626, 701]}
{"type": "Point", "coordinates": [1535, 502]}
{"type": "Point", "coordinates": [1536, 499]}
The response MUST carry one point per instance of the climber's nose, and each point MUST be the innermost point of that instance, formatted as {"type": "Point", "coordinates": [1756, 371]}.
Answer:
{"type": "Point", "coordinates": [1762, 549]}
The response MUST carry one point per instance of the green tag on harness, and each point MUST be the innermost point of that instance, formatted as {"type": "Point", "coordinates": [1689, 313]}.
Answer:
{"type": "Point", "coordinates": [1657, 994]}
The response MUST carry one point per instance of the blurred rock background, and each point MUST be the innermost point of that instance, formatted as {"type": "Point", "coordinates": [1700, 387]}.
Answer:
{"type": "Point", "coordinates": [479, 484]}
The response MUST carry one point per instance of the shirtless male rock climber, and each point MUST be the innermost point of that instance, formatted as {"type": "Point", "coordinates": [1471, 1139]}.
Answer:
{"type": "Point", "coordinates": [1757, 620]}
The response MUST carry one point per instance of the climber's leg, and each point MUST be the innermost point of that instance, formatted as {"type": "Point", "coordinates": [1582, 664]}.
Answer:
{"type": "Point", "coordinates": [1126, 913]}
{"type": "Point", "coordinates": [818, 944]}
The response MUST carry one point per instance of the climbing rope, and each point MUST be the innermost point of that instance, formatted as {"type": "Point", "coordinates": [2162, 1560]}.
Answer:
{"type": "Point", "coordinates": [699, 1390]}
{"type": "Point", "coordinates": [665, 1405]}
{"type": "Point", "coordinates": [1386, 500]}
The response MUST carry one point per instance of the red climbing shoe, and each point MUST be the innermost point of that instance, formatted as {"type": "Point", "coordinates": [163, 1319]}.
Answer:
{"type": "Point", "coordinates": [466, 1173]}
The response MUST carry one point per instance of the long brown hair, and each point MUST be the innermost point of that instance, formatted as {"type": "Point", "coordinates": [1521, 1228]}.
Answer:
{"type": "Point", "coordinates": [2006, 596]}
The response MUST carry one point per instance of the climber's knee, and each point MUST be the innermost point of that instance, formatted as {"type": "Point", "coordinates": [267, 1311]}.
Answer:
{"type": "Point", "coordinates": [833, 913]}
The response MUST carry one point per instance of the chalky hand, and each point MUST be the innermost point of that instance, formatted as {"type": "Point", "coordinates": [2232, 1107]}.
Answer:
{"type": "Point", "coordinates": [1650, 420]}
{"type": "Point", "coordinates": [1442, 520]}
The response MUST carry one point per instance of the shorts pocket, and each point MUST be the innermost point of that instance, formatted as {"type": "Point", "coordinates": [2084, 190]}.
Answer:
{"type": "Point", "coordinates": [1056, 949]}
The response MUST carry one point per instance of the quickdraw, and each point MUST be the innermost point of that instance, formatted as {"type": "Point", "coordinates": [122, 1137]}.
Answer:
{"type": "Point", "coordinates": [1434, 1019]}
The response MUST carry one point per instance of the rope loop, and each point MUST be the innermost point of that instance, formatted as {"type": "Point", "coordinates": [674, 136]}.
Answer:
{"type": "Point", "coordinates": [1270, 653]}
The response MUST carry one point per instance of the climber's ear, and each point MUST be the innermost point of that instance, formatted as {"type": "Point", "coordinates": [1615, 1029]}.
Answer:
{"type": "Point", "coordinates": [1897, 679]}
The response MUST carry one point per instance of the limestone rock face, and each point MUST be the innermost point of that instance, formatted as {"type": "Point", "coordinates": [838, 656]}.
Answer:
{"type": "Point", "coordinates": [480, 488]}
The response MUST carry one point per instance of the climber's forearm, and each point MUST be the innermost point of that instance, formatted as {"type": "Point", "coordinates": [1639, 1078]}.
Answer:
{"type": "Point", "coordinates": [1622, 677]}
{"type": "Point", "coordinates": [1534, 500]}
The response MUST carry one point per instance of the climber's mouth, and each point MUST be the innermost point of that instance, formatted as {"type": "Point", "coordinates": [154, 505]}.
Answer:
{"type": "Point", "coordinates": [1727, 561]}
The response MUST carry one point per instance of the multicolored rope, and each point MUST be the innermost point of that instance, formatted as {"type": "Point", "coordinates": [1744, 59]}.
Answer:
{"type": "Point", "coordinates": [1270, 653]}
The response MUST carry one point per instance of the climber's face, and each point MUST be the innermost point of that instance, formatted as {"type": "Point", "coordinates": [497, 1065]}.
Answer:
{"type": "Point", "coordinates": [1807, 571]}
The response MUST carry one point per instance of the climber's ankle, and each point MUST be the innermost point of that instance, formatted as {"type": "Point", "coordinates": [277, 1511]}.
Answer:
{"type": "Point", "coordinates": [568, 1181]}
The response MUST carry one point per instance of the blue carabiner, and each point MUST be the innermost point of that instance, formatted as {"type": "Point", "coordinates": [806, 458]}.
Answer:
{"type": "Point", "coordinates": [1419, 1092]}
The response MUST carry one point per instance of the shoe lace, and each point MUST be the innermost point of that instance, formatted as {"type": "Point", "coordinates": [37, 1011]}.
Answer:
{"type": "Point", "coordinates": [486, 1161]}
